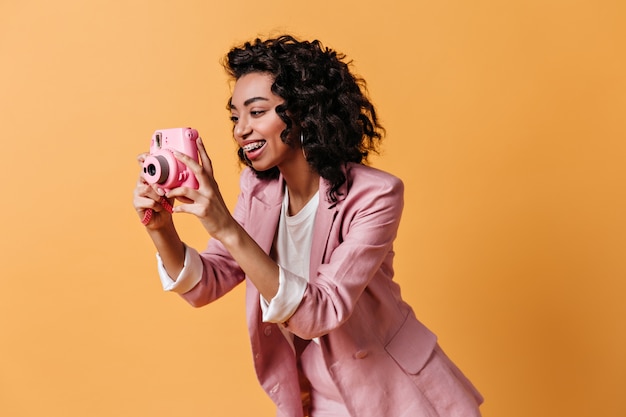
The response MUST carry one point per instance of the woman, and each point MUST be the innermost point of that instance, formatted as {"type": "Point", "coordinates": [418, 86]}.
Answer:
{"type": "Point", "coordinates": [312, 238]}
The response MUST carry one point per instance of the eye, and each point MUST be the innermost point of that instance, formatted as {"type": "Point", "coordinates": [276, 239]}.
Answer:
{"type": "Point", "coordinates": [256, 113]}
{"type": "Point", "coordinates": [234, 119]}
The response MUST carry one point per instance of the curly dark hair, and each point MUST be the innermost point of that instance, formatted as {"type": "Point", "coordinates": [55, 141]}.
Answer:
{"type": "Point", "coordinates": [323, 101]}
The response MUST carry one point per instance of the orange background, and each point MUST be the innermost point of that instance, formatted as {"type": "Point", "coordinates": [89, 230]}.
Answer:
{"type": "Point", "coordinates": [506, 120]}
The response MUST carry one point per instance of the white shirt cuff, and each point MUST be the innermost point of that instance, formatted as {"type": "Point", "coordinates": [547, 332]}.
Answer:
{"type": "Point", "coordinates": [291, 289]}
{"type": "Point", "coordinates": [188, 277]}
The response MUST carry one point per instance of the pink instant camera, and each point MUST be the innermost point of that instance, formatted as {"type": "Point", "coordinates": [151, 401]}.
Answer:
{"type": "Point", "coordinates": [161, 166]}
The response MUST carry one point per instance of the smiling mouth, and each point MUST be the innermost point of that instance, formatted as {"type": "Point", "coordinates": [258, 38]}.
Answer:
{"type": "Point", "coordinates": [253, 146]}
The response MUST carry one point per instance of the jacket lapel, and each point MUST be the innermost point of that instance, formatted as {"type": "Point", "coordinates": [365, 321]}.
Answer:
{"type": "Point", "coordinates": [264, 215]}
{"type": "Point", "coordinates": [324, 219]}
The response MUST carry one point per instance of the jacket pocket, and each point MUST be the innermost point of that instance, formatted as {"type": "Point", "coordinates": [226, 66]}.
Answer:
{"type": "Point", "coordinates": [412, 345]}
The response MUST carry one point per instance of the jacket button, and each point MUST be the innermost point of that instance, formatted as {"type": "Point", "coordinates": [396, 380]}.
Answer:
{"type": "Point", "coordinates": [267, 331]}
{"type": "Point", "coordinates": [360, 354]}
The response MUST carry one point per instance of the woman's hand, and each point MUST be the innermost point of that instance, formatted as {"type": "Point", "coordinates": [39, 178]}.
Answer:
{"type": "Point", "coordinates": [147, 197]}
{"type": "Point", "coordinates": [206, 202]}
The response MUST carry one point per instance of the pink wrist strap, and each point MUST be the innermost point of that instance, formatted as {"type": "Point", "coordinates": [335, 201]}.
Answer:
{"type": "Point", "coordinates": [148, 213]}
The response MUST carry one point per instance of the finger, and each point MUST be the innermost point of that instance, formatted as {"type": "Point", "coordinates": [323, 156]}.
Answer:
{"type": "Point", "coordinates": [204, 156]}
{"type": "Point", "coordinates": [203, 176]}
{"type": "Point", "coordinates": [188, 161]}
{"type": "Point", "coordinates": [157, 189]}
{"type": "Point", "coordinates": [142, 157]}
{"type": "Point", "coordinates": [143, 203]}
{"type": "Point", "coordinates": [141, 180]}
{"type": "Point", "coordinates": [185, 200]}
{"type": "Point", "coordinates": [143, 189]}
{"type": "Point", "coordinates": [180, 193]}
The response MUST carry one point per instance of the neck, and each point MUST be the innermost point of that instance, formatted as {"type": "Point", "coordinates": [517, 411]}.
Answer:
{"type": "Point", "coordinates": [302, 183]}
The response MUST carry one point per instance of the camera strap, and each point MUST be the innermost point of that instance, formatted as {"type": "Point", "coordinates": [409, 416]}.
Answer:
{"type": "Point", "coordinates": [147, 216]}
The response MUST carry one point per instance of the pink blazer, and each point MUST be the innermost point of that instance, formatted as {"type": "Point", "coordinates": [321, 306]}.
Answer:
{"type": "Point", "coordinates": [370, 338]}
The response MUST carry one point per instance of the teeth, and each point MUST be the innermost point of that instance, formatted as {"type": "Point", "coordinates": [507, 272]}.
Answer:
{"type": "Point", "coordinates": [252, 146]}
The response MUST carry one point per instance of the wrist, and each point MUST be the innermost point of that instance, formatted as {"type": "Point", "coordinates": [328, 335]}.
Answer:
{"type": "Point", "coordinates": [230, 237]}
{"type": "Point", "coordinates": [165, 232]}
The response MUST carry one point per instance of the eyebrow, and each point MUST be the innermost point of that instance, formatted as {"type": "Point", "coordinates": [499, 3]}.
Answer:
{"type": "Point", "coordinates": [248, 101]}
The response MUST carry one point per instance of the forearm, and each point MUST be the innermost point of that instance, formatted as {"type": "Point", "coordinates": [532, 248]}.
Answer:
{"type": "Point", "coordinates": [170, 248]}
{"type": "Point", "coordinates": [260, 268]}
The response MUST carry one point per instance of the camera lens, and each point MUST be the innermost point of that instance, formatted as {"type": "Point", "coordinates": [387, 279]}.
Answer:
{"type": "Point", "coordinates": [156, 169]}
{"type": "Point", "coordinates": [151, 170]}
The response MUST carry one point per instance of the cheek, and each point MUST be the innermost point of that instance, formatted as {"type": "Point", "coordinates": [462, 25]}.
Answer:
{"type": "Point", "coordinates": [277, 128]}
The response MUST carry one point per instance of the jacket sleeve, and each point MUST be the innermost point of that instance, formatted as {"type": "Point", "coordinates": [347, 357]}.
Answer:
{"type": "Point", "coordinates": [220, 271]}
{"type": "Point", "coordinates": [359, 251]}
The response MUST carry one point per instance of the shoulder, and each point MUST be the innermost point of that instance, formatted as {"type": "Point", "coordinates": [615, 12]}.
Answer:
{"type": "Point", "coordinates": [247, 178]}
{"type": "Point", "coordinates": [264, 189]}
{"type": "Point", "coordinates": [363, 177]}
{"type": "Point", "coordinates": [369, 189]}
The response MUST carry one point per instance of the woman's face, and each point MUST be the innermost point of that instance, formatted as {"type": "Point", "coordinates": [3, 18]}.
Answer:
{"type": "Point", "coordinates": [257, 126]}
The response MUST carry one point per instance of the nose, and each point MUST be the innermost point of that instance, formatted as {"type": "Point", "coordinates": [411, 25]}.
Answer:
{"type": "Point", "coordinates": [242, 128]}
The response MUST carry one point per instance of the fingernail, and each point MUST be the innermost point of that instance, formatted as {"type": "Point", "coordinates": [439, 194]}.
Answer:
{"type": "Point", "coordinates": [160, 191]}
